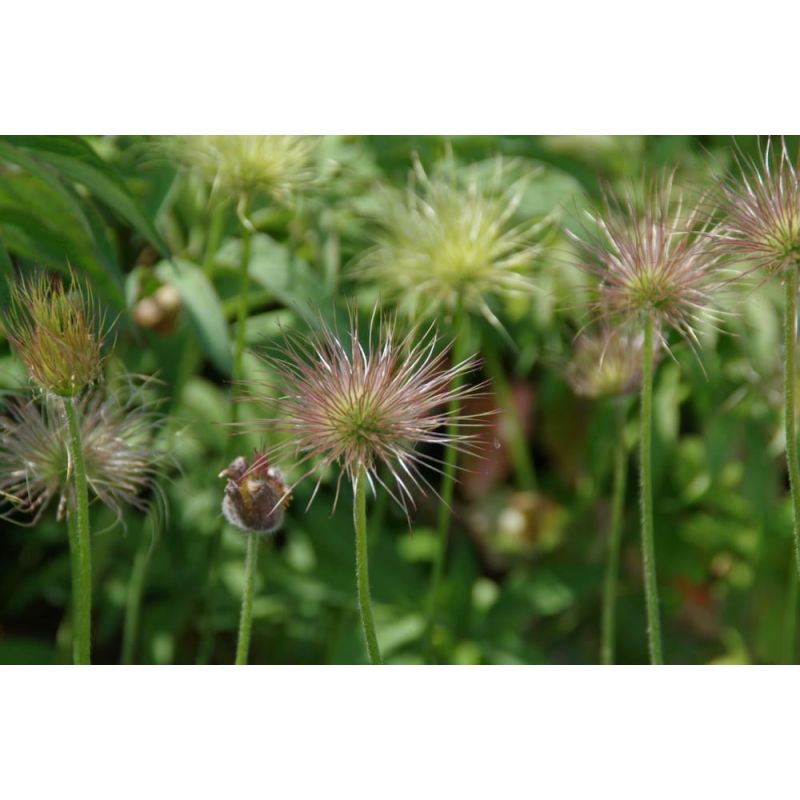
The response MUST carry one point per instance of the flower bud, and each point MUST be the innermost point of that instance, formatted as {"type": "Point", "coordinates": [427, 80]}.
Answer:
{"type": "Point", "coordinates": [256, 496]}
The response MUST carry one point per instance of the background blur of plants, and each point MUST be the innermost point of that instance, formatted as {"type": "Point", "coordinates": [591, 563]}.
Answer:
{"type": "Point", "coordinates": [525, 567]}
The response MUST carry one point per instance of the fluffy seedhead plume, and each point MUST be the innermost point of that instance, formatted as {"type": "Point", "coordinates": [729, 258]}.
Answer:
{"type": "Point", "coordinates": [761, 210]}
{"type": "Point", "coordinates": [238, 166]}
{"type": "Point", "coordinates": [338, 402]}
{"type": "Point", "coordinates": [56, 332]}
{"type": "Point", "coordinates": [605, 363]}
{"type": "Point", "coordinates": [655, 258]}
{"type": "Point", "coordinates": [452, 237]}
{"type": "Point", "coordinates": [256, 495]}
{"type": "Point", "coordinates": [117, 438]}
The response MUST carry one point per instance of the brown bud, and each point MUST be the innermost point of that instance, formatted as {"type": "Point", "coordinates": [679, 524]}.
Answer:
{"type": "Point", "coordinates": [256, 496]}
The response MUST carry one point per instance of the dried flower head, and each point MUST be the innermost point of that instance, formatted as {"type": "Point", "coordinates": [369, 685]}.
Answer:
{"type": "Point", "coordinates": [340, 403]}
{"type": "Point", "coordinates": [256, 495]}
{"type": "Point", "coordinates": [451, 237]}
{"type": "Point", "coordinates": [653, 259]}
{"type": "Point", "coordinates": [279, 166]}
{"type": "Point", "coordinates": [117, 438]}
{"type": "Point", "coordinates": [605, 363]}
{"type": "Point", "coordinates": [56, 332]}
{"type": "Point", "coordinates": [762, 210]}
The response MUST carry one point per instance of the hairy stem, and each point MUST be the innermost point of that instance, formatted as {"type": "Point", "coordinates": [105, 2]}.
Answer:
{"type": "Point", "coordinates": [614, 541]}
{"type": "Point", "coordinates": [447, 489]}
{"type": "Point", "coordinates": [520, 454]}
{"type": "Point", "coordinates": [246, 615]}
{"type": "Point", "coordinates": [242, 309]}
{"type": "Point", "coordinates": [80, 539]}
{"type": "Point", "coordinates": [646, 486]}
{"type": "Point", "coordinates": [362, 567]}
{"type": "Point", "coordinates": [790, 617]}
{"type": "Point", "coordinates": [790, 408]}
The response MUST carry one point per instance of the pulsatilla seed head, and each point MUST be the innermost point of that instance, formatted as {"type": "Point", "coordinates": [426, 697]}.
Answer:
{"type": "Point", "coordinates": [256, 495]}
{"type": "Point", "coordinates": [761, 210]}
{"type": "Point", "coordinates": [455, 236]}
{"type": "Point", "coordinates": [279, 166]}
{"type": "Point", "coordinates": [336, 401]}
{"type": "Point", "coordinates": [653, 258]}
{"type": "Point", "coordinates": [605, 363]}
{"type": "Point", "coordinates": [121, 460]}
{"type": "Point", "coordinates": [56, 332]}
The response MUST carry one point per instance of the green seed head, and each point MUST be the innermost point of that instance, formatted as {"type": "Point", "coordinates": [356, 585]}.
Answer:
{"type": "Point", "coordinates": [56, 333]}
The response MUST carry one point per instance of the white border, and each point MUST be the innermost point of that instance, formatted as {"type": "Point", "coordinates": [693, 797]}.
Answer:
{"type": "Point", "coordinates": [360, 66]}
{"type": "Point", "coordinates": [398, 732]}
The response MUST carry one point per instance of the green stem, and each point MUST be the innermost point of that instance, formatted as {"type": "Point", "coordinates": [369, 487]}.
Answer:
{"type": "Point", "coordinates": [790, 408]}
{"type": "Point", "coordinates": [215, 230]}
{"type": "Point", "coordinates": [790, 617]}
{"type": "Point", "coordinates": [80, 537]}
{"type": "Point", "coordinates": [614, 541]}
{"type": "Point", "coordinates": [133, 601]}
{"type": "Point", "coordinates": [242, 309]}
{"type": "Point", "coordinates": [362, 566]}
{"type": "Point", "coordinates": [447, 489]}
{"type": "Point", "coordinates": [646, 472]}
{"type": "Point", "coordinates": [246, 616]}
{"type": "Point", "coordinates": [520, 454]}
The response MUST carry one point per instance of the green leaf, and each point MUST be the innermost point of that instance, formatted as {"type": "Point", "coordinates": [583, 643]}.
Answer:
{"type": "Point", "coordinates": [75, 159]}
{"type": "Point", "coordinates": [203, 306]}
{"type": "Point", "coordinates": [290, 279]}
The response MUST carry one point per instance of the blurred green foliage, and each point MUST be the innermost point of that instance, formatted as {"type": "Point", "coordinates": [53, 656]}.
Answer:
{"type": "Point", "coordinates": [525, 569]}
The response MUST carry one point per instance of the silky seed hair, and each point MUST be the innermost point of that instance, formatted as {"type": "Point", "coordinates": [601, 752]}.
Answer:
{"type": "Point", "coordinates": [57, 332]}
{"type": "Point", "coordinates": [605, 363]}
{"type": "Point", "coordinates": [452, 237]}
{"type": "Point", "coordinates": [653, 257]}
{"type": "Point", "coordinates": [761, 209]}
{"type": "Point", "coordinates": [279, 166]}
{"type": "Point", "coordinates": [118, 440]}
{"type": "Point", "coordinates": [336, 402]}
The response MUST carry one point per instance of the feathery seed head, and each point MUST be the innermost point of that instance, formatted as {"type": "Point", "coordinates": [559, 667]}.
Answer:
{"type": "Point", "coordinates": [762, 210]}
{"type": "Point", "coordinates": [256, 495]}
{"type": "Point", "coordinates": [652, 259]}
{"type": "Point", "coordinates": [57, 334]}
{"type": "Point", "coordinates": [279, 166]}
{"type": "Point", "coordinates": [121, 461]}
{"type": "Point", "coordinates": [453, 235]}
{"type": "Point", "coordinates": [605, 363]}
{"type": "Point", "coordinates": [354, 406]}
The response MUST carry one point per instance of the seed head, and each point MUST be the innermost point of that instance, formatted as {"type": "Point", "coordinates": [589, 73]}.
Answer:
{"type": "Point", "coordinates": [762, 210]}
{"type": "Point", "coordinates": [57, 334]}
{"type": "Point", "coordinates": [279, 166]}
{"type": "Point", "coordinates": [605, 363]}
{"type": "Point", "coordinates": [121, 460]}
{"type": "Point", "coordinates": [341, 403]}
{"type": "Point", "coordinates": [654, 259]}
{"type": "Point", "coordinates": [256, 495]}
{"type": "Point", "coordinates": [453, 236]}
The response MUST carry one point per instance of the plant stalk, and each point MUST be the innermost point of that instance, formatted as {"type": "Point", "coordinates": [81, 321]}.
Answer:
{"type": "Point", "coordinates": [448, 474]}
{"type": "Point", "coordinates": [362, 566]}
{"type": "Point", "coordinates": [646, 486]}
{"type": "Point", "coordinates": [614, 540]}
{"type": "Point", "coordinates": [790, 407]}
{"type": "Point", "coordinates": [246, 616]}
{"type": "Point", "coordinates": [80, 540]}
